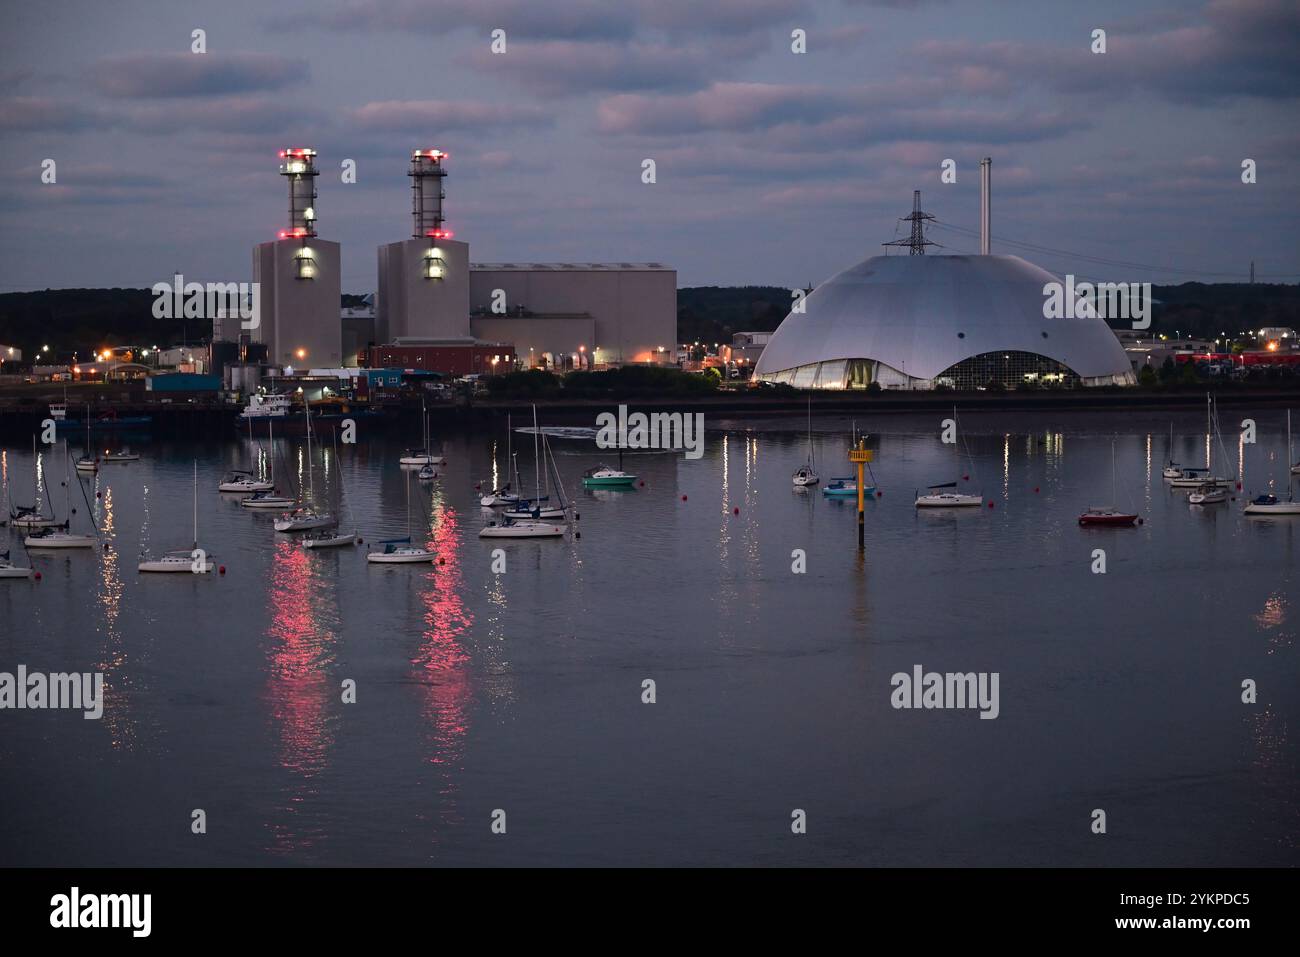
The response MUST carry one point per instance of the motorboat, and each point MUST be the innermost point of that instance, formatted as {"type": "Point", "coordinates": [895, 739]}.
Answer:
{"type": "Point", "coordinates": [846, 488]}
{"type": "Point", "coordinates": [427, 473]}
{"type": "Point", "coordinates": [121, 455]}
{"type": "Point", "coordinates": [605, 476]}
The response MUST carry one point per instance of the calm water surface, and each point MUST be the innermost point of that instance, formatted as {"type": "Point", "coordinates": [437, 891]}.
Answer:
{"type": "Point", "coordinates": [522, 691]}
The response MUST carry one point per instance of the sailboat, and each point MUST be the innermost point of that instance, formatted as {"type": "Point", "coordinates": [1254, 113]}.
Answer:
{"type": "Point", "coordinates": [1196, 477]}
{"type": "Point", "coordinates": [334, 539]}
{"type": "Point", "coordinates": [537, 507]}
{"type": "Point", "coordinates": [32, 516]}
{"type": "Point", "coordinates": [806, 475]}
{"type": "Point", "coordinates": [422, 455]}
{"type": "Point", "coordinates": [1269, 504]}
{"type": "Point", "coordinates": [88, 462]}
{"type": "Point", "coordinates": [400, 551]}
{"type": "Point", "coordinates": [182, 559]}
{"type": "Point", "coordinates": [306, 516]}
{"type": "Point", "coordinates": [944, 494]}
{"type": "Point", "coordinates": [505, 495]}
{"type": "Point", "coordinates": [241, 481]}
{"type": "Point", "coordinates": [267, 498]}
{"type": "Point", "coordinates": [1108, 514]}
{"type": "Point", "coordinates": [9, 570]}
{"type": "Point", "coordinates": [1172, 469]}
{"type": "Point", "coordinates": [530, 524]}
{"type": "Point", "coordinates": [52, 537]}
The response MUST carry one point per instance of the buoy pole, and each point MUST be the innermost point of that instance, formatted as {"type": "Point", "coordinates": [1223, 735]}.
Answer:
{"type": "Point", "coordinates": [860, 456]}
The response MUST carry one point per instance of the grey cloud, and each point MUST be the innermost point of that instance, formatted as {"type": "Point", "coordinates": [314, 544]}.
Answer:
{"type": "Point", "coordinates": [168, 75]}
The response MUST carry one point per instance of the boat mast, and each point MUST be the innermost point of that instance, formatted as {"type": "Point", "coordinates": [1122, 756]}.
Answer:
{"type": "Point", "coordinates": [1290, 488]}
{"type": "Point", "coordinates": [537, 462]}
{"type": "Point", "coordinates": [196, 504]}
{"type": "Point", "coordinates": [311, 478]}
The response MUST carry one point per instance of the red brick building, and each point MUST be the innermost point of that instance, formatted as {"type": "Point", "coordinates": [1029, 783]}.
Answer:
{"type": "Point", "coordinates": [449, 357]}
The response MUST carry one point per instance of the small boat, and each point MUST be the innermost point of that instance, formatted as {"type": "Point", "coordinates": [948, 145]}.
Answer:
{"type": "Point", "coordinates": [1196, 477]}
{"type": "Point", "coordinates": [422, 455]}
{"type": "Point", "coordinates": [604, 476]}
{"type": "Point", "coordinates": [61, 536]}
{"type": "Point", "coordinates": [427, 473]}
{"type": "Point", "coordinates": [527, 508]}
{"type": "Point", "coordinates": [1269, 504]}
{"type": "Point", "coordinates": [9, 570]}
{"type": "Point", "coordinates": [521, 528]}
{"type": "Point", "coordinates": [122, 455]}
{"type": "Point", "coordinates": [267, 500]}
{"type": "Point", "coordinates": [88, 462]}
{"type": "Point", "coordinates": [24, 517]}
{"type": "Point", "coordinates": [505, 495]}
{"type": "Point", "coordinates": [846, 488]}
{"type": "Point", "coordinates": [318, 539]}
{"type": "Point", "coordinates": [400, 551]}
{"type": "Point", "coordinates": [1106, 515]}
{"type": "Point", "coordinates": [1172, 469]}
{"type": "Point", "coordinates": [1208, 495]}
{"type": "Point", "coordinates": [303, 518]}
{"type": "Point", "coordinates": [306, 516]}
{"type": "Point", "coordinates": [806, 475]}
{"type": "Point", "coordinates": [499, 498]}
{"type": "Point", "coordinates": [190, 560]}
{"type": "Point", "coordinates": [335, 538]}
{"type": "Point", "coordinates": [944, 499]}
{"type": "Point", "coordinates": [240, 482]}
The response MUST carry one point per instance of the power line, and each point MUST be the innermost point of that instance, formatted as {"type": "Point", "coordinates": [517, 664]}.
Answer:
{"type": "Point", "coordinates": [1104, 261]}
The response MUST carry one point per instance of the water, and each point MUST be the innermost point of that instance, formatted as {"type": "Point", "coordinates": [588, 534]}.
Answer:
{"type": "Point", "coordinates": [522, 691]}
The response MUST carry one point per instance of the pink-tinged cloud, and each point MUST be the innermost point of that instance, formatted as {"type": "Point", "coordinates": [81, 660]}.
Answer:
{"type": "Point", "coordinates": [42, 114]}
{"type": "Point", "coordinates": [434, 117]}
{"type": "Point", "coordinates": [168, 75]}
{"type": "Point", "coordinates": [568, 67]}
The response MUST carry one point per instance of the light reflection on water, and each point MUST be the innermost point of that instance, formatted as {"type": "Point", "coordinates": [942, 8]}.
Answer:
{"type": "Point", "coordinates": [479, 689]}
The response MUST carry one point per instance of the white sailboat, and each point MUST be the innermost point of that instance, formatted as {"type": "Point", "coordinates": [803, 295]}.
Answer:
{"type": "Point", "coordinates": [400, 551]}
{"type": "Point", "coordinates": [944, 494]}
{"type": "Point", "coordinates": [243, 482]}
{"type": "Point", "coordinates": [9, 570]}
{"type": "Point", "coordinates": [267, 498]}
{"type": "Point", "coordinates": [32, 516]}
{"type": "Point", "coordinates": [505, 495]}
{"type": "Point", "coordinates": [1196, 477]}
{"type": "Point", "coordinates": [182, 560]}
{"type": "Point", "coordinates": [306, 516]}
{"type": "Point", "coordinates": [539, 506]}
{"type": "Point", "coordinates": [1172, 469]}
{"type": "Point", "coordinates": [423, 455]}
{"type": "Point", "coordinates": [806, 475]}
{"type": "Point", "coordinates": [88, 462]}
{"type": "Point", "coordinates": [334, 538]}
{"type": "Point", "coordinates": [61, 536]}
{"type": "Point", "coordinates": [530, 525]}
{"type": "Point", "coordinates": [1269, 504]}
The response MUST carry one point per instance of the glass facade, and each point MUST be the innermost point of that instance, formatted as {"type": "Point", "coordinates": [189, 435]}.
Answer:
{"type": "Point", "coordinates": [1009, 370]}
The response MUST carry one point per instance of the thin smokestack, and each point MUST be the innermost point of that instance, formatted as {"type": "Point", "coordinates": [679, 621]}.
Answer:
{"type": "Point", "coordinates": [986, 187]}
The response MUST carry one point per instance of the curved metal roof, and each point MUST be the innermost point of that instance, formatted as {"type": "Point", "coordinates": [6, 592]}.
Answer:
{"type": "Point", "coordinates": [922, 314]}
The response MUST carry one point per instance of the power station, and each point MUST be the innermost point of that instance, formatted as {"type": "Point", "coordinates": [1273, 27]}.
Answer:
{"type": "Point", "coordinates": [432, 303]}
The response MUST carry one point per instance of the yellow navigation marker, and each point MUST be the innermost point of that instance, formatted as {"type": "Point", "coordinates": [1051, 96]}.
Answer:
{"type": "Point", "coordinates": [860, 455]}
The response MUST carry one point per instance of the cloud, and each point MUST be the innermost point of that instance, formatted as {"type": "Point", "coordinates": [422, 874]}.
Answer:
{"type": "Point", "coordinates": [166, 75]}
{"type": "Point", "coordinates": [560, 67]}
{"type": "Point", "coordinates": [574, 19]}
{"type": "Point", "coordinates": [423, 117]}
{"type": "Point", "coordinates": [41, 114]}
{"type": "Point", "coordinates": [239, 115]}
{"type": "Point", "coordinates": [1238, 48]}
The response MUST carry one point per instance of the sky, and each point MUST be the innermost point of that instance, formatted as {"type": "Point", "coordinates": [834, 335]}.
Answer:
{"type": "Point", "coordinates": [771, 167]}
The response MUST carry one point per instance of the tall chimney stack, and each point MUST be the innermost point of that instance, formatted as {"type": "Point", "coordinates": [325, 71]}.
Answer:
{"type": "Point", "coordinates": [427, 194]}
{"type": "Point", "coordinates": [986, 171]}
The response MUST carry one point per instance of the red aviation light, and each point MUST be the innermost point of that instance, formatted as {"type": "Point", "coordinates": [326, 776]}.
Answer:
{"type": "Point", "coordinates": [298, 232]}
{"type": "Point", "coordinates": [439, 234]}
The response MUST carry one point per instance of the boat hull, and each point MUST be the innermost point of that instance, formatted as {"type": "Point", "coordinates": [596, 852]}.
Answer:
{"type": "Point", "coordinates": [266, 503]}
{"type": "Point", "coordinates": [59, 541]}
{"type": "Point", "coordinates": [1281, 508]}
{"type": "Point", "coordinates": [303, 524]}
{"type": "Point", "coordinates": [335, 541]}
{"type": "Point", "coordinates": [175, 566]}
{"type": "Point", "coordinates": [521, 529]}
{"type": "Point", "coordinates": [414, 557]}
{"type": "Point", "coordinates": [949, 501]}
{"type": "Point", "coordinates": [1108, 521]}
{"type": "Point", "coordinates": [14, 571]}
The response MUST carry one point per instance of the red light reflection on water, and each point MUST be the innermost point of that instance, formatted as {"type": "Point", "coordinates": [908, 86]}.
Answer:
{"type": "Point", "coordinates": [440, 661]}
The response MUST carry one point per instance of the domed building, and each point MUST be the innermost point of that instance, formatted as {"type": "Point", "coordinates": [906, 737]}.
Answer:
{"type": "Point", "coordinates": [918, 321]}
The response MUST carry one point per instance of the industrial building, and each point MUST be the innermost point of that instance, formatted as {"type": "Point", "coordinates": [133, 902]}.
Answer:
{"type": "Point", "coordinates": [434, 307]}
{"type": "Point", "coordinates": [298, 275]}
{"type": "Point", "coordinates": [918, 322]}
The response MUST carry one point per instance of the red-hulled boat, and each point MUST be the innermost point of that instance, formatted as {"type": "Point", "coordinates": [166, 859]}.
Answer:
{"type": "Point", "coordinates": [1107, 516]}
